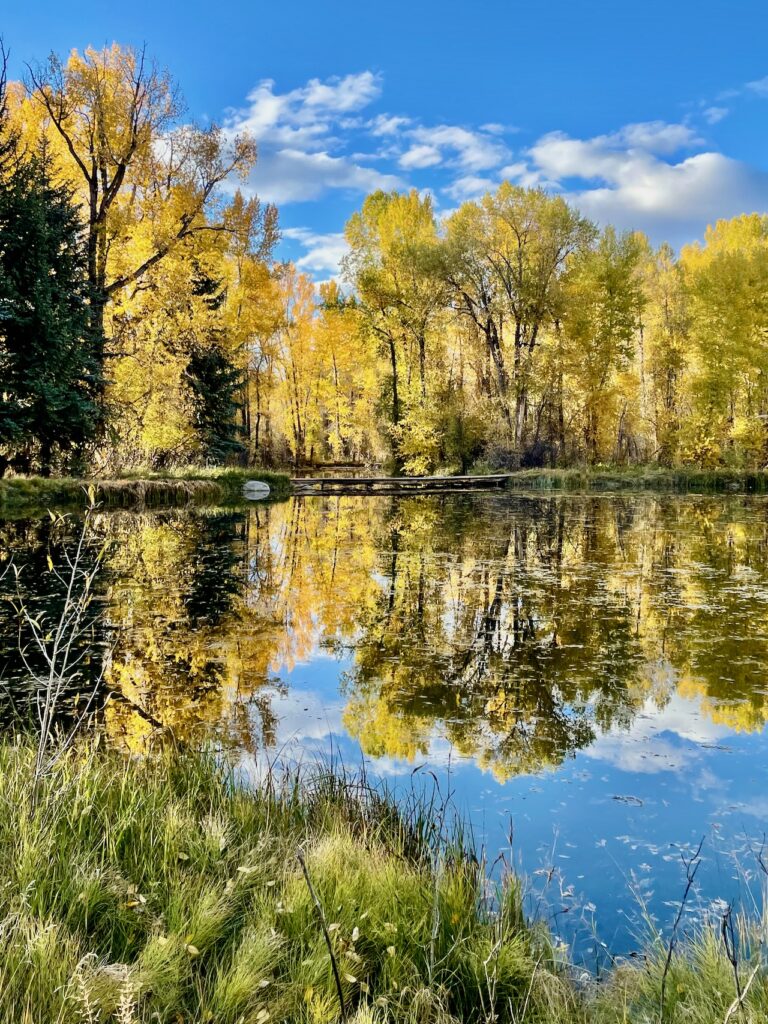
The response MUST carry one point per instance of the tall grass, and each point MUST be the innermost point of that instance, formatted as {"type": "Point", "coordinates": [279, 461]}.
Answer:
{"type": "Point", "coordinates": [161, 890]}
{"type": "Point", "coordinates": [164, 890]}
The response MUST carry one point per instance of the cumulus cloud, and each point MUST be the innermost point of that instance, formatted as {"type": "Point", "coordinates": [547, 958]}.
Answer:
{"type": "Point", "coordinates": [305, 114]}
{"type": "Point", "coordinates": [326, 136]}
{"type": "Point", "coordinates": [388, 124]}
{"type": "Point", "coordinates": [323, 252]}
{"type": "Point", "coordinates": [420, 156]}
{"type": "Point", "coordinates": [321, 136]}
{"type": "Point", "coordinates": [637, 178]}
{"type": "Point", "coordinates": [292, 175]}
{"type": "Point", "coordinates": [470, 150]}
{"type": "Point", "coordinates": [557, 155]}
{"type": "Point", "coordinates": [301, 136]}
{"type": "Point", "coordinates": [469, 186]}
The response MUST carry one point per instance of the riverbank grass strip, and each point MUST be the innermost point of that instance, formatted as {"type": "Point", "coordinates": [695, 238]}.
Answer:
{"type": "Point", "coordinates": [214, 486]}
{"type": "Point", "coordinates": [642, 478]}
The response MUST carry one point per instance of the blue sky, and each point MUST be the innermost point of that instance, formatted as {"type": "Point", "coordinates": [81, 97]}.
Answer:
{"type": "Point", "coordinates": [647, 115]}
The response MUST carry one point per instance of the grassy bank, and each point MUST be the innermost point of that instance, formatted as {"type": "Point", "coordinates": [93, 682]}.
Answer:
{"type": "Point", "coordinates": [161, 891]}
{"type": "Point", "coordinates": [196, 486]}
{"type": "Point", "coordinates": [656, 478]}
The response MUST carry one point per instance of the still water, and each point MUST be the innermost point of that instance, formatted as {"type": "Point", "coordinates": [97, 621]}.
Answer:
{"type": "Point", "coordinates": [585, 675]}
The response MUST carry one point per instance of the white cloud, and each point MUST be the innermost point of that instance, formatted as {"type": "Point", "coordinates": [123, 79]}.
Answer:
{"type": "Point", "coordinates": [469, 186]}
{"type": "Point", "coordinates": [713, 115]}
{"type": "Point", "coordinates": [624, 179]}
{"type": "Point", "coordinates": [324, 252]}
{"type": "Point", "coordinates": [653, 136]}
{"type": "Point", "coordinates": [612, 156]}
{"type": "Point", "coordinates": [352, 92]}
{"type": "Point", "coordinates": [471, 150]}
{"type": "Point", "coordinates": [291, 175]}
{"type": "Point", "coordinates": [301, 135]}
{"type": "Point", "coordinates": [305, 114]}
{"type": "Point", "coordinates": [759, 87]}
{"type": "Point", "coordinates": [386, 124]}
{"type": "Point", "coordinates": [420, 156]}
{"type": "Point", "coordinates": [522, 173]}
{"type": "Point", "coordinates": [322, 137]}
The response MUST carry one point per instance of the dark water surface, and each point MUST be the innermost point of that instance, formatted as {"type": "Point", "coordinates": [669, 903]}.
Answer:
{"type": "Point", "coordinates": [586, 673]}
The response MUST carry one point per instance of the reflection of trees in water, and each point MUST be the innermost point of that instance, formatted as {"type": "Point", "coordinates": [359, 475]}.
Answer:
{"type": "Point", "coordinates": [190, 658]}
{"type": "Point", "coordinates": [29, 544]}
{"type": "Point", "coordinates": [517, 628]}
{"type": "Point", "coordinates": [555, 618]}
{"type": "Point", "coordinates": [504, 650]}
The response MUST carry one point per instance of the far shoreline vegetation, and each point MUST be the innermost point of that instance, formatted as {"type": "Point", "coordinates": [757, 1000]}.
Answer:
{"type": "Point", "coordinates": [147, 320]}
{"type": "Point", "coordinates": [223, 486]}
{"type": "Point", "coordinates": [189, 486]}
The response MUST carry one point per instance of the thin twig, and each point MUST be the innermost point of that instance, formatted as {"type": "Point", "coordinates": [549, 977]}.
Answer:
{"type": "Point", "coordinates": [738, 1002]}
{"type": "Point", "coordinates": [691, 867]}
{"type": "Point", "coordinates": [329, 944]}
{"type": "Point", "coordinates": [728, 933]}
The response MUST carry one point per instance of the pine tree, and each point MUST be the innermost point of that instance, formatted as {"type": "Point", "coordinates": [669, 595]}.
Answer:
{"type": "Point", "coordinates": [216, 385]}
{"type": "Point", "coordinates": [50, 374]}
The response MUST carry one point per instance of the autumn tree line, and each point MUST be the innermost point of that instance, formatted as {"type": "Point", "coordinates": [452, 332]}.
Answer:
{"type": "Point", "coordinates": [145, 321]}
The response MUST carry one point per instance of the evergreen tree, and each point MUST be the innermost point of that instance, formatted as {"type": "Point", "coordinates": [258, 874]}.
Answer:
{"type": "Point", "coordinates": [49, 368]}
{"type": "Point", "coordinates": [216, 385]}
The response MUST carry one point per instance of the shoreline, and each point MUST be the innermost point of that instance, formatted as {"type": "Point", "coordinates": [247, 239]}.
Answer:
{"type": "Point", "coordinates": [645, 478]}
{"type": "Point", "coordinates": [150, 490]}
{"type": "Point", "coordinates": [224, 486]}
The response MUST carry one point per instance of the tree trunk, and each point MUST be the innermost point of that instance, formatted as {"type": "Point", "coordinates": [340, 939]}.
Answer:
{"type": "Point", "coordinates": [497, 357]}
{"type": "Point", "coordinates": [395, 395]}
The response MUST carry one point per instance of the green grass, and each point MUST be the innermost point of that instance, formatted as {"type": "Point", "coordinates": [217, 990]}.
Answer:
{"type": "Point", "coordinates": [163, 886]}
{"type": "Point", "coordinates": [163, 890]}
{"type": "Point", "coordinates": [199, 486]}
{"type": "Point", "coordinates": [681, 480]}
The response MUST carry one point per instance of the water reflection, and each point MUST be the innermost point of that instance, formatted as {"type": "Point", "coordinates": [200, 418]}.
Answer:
{"type": "Point", "coordinates": [592, 666]}
{"type": "Point", "coordinates": [517, 629]}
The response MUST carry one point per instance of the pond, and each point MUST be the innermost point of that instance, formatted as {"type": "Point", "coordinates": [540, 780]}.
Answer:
{"type": "Point", "coordinates": [583, 674]}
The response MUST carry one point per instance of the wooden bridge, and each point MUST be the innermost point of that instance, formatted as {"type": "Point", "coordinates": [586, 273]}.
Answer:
{"type": "Point", "coordinates": [396, 484]}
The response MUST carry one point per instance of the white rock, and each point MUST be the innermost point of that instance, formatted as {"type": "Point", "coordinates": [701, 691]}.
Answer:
{"type": "Point", "coordinates": [255, 490]}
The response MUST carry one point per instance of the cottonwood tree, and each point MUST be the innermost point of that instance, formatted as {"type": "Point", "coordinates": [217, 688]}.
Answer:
{"type": "Point", "coordinates": [148, 183]}
{"type": "Point", "coordinates": [603, 302]}
{"type": "Point", "coordinates": [395, 266]}
{"type": "Point", "coordinates": [727, 286]}
{"type": "Point", "coordinates": [507, 255]}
